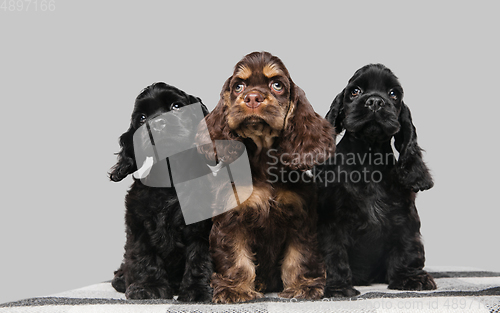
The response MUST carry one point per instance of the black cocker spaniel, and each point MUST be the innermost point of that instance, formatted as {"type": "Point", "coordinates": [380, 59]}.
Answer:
{"type": "Point", "coordinates": [369, 229]}
{"type": "Point", "coordinates": [163, 256]}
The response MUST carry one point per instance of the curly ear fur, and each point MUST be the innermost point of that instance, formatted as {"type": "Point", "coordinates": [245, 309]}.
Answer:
{"type": "Point", "coordinates": [307, 139]}
{"type": "Point", "coordinates": [125, 164]}
{"type": "Point", "coordinates": [336, 113]}
{"type": "Point", "coordinates": [193, 99]}
{"type": "Point", "coordinates": [411, 170]}
{"type": "Point", "coordinates": [218, 128]}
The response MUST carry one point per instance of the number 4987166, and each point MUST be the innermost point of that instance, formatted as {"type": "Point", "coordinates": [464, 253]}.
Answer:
{"type": "Point", "coordinates": [28, 5]}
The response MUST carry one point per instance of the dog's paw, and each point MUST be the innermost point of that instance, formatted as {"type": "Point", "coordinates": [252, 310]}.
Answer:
{"type": "Point", "coordinates": [303, 292]}
{"type": "Point", "coordinates": [118, 283]}
{"type": "Point", "coordinates": [195, 294]}
{"type": "Point", "coordinates": [335, 292]}
{"type": "Point", "coordinates": [418, 282]}
{"type": "Point", "coordinates": [230, 295]}
{"type": "Point", "coordinates": [137, 291]}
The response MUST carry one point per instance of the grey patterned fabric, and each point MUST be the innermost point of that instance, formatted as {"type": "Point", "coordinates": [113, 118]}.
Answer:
{"type": "Point", "coordinates": [458, 291]}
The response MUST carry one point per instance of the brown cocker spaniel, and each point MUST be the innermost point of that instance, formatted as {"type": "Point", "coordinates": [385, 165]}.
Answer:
{"type": "Point", "coordinates": [268, 242]}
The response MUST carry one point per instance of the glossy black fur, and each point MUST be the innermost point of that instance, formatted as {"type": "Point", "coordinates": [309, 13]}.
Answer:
{"type": "Point", "coordinates": [163, 257]}
{"type": "Point", "coordinates": [369, 229]}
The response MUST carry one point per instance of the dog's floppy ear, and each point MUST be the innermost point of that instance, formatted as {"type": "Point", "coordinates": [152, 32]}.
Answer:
{"type": "Point", "coordinates": [218, 129]}
{"type": "Point", "coordinates": [411, 170]}
{"type": "Point", "coordinates": [193, 99]}
{"type": "Point", "coordinates": [307, 139]}
{"type": "Point", "coordinates": [125, 164]}
{"type": "Point", "coordinates": [336, 114]}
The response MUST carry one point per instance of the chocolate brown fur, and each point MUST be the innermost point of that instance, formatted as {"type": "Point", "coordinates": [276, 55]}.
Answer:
{"type": "Point", "coordinates": [268, 243]}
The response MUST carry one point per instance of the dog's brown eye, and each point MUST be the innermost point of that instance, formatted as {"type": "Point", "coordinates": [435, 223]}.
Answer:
{"type": "Point", "coordinates": [393, 95]}
{"type": "Point", "coordinates": [142, 118]}
{"type": "Point", "coordinates": [355, 92]}
{"type": "Point", "coordinates": [239, 88]}
{"type": "Point", "coordinates": [175, 106]}
{"type": "Point", "coordinates": [277, 86]}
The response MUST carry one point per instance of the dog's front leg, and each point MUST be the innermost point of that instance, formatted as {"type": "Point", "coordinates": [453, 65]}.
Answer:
{"type": "Point", "coordinates": [145, 276]}
{"type": "Point", "coordinates": [302, 273]}
{"type": "Point", "coordinates": [234, 276]}
{"type": "Point", "coordinates": [407, 257]}
{"type": "Point", "coordinates": [338, 271]}
{"type": "Point", "coordinates": [302, 270]}
{"type": "Point", "coordinates": [195, 285]}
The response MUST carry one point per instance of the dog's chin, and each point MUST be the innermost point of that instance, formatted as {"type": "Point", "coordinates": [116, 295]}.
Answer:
{"type": "Point", "coordinates": [253, 120]}
{"type": "Point", "coordinates": [259, 131]}
{"type": "Point", "coordinates": [254, 123]}
{"type": "Point", "coordinates": [373, 132]}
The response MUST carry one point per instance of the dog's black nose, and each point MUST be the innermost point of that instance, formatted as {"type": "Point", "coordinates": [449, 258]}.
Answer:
{"type": "Point", "coordinates": [374, 103]}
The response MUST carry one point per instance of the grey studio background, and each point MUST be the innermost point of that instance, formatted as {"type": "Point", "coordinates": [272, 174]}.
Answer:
{"type": "Point", "coordinates": [69, 77]}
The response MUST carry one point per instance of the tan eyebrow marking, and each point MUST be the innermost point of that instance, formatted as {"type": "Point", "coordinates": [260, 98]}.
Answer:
{"type": "Point", "coordinates": [243, 72]}
{"type": "Point", "coordinates": [271, 70]}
